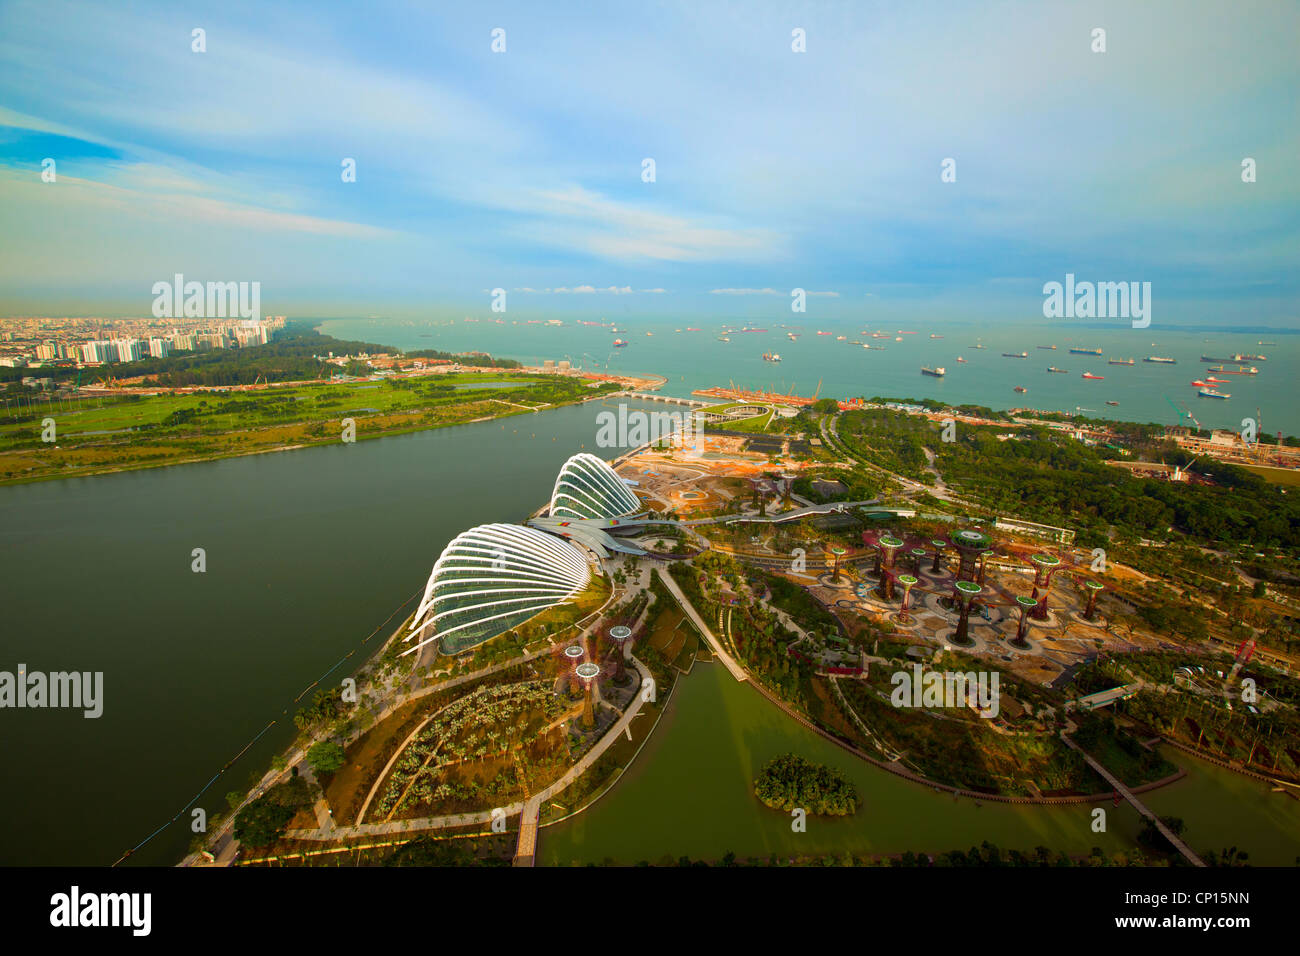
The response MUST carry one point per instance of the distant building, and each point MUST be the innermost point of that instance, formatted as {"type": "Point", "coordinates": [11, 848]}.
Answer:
{"type": "Point", "coordinates": [128, 350]}
{"type": "Point", "coordinates": [159, 348]}
{"type": "Point", "coordinates": [1059, 535]}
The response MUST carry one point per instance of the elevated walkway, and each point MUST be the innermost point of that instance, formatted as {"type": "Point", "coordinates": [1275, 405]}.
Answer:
{"type": "Point", "coordinates": [1138, 805]}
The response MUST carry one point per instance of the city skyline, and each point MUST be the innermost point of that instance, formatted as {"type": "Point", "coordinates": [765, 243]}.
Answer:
{"type": "Point", "coordinates": [774, 170]}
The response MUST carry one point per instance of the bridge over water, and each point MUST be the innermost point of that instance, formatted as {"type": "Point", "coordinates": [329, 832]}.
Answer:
{"type": "Point", "coordinates": [1138, 805]}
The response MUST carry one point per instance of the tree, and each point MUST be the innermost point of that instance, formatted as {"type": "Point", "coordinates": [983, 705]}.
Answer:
{"type": "Point", "coordinates": [326, 757]}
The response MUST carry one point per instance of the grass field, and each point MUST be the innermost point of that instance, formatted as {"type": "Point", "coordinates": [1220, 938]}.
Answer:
{"type": "Point", "coordinates": [1277, 476]}
{"type": "Point", "coordinates": [96, 434]}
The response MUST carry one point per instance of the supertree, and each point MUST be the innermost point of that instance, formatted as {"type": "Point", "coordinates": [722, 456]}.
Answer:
{"type": "Point", "coordinates": [964, 593]}
{"type": "Point", "coordinates": [1045, 566]}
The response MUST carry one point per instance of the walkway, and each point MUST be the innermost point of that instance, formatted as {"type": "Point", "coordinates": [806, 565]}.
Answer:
{"type": "Point", "coordinates": [526, 849]}
{"type": "Point", "coordinates": [728, 661]}
{"type": "Point", "coordinates": [1138, 805]}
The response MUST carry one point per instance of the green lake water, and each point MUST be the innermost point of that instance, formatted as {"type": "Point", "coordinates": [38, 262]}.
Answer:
{"type": "Point", "coordinates": [690, 794]}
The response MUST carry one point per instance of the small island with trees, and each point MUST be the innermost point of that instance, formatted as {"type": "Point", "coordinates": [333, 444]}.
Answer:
{"type": "Point", "coordinates": [789, 782]}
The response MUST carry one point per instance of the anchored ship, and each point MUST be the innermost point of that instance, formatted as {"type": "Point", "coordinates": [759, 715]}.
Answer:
{"type": "Point", "coordinates": [1015, 355]}
{"type": "Point", "coordinates": [1021, 388]}
{"type": "Point", "coordinates": [1251, 370]}
{"type": "Point", "coordinates": [939, 372]}
{"type": "Point", "coordinates": [1090, 375]}
{"type": "Point", "coordinates": [1053, 368]}
{"type": "Point", "coordinates": [1085, 351]}
{"type": "Point", "coordinates": [771, 357]}
{"type": "Point", "coordinates": [1120, 362]}
{"type": "Point", "coordinates": [1212, 393]}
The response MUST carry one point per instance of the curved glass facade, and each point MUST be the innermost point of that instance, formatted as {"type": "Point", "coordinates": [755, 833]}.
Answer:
{"type": "Point", "coordinates": [492, 578]}
{"type": "Point", "coordinates": [588, 488]}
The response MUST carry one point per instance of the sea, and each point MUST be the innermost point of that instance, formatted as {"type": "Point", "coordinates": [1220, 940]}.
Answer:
{"type": "Point", "coordinates": [822, 364]}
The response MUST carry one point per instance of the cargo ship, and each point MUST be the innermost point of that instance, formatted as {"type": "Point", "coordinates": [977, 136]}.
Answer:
{"type": "Point", "coordinates": [961, 360]}
{"type": "Point", "coordinates": [1090, 375]}
{"type": "Point", "coordinates": [1085, 351]}
{"type": "Point", "coordinates": [1160, 360]}
{"type": "Point", "coordinates": [1217, 381]}
{"type": "Point", "coordinates": [1213, 393]}
{"type": "Point", "coordinates": [939, 372]}
{"type": "Point", "coordinates": [1251, 370]}
{"type": "Point", "coordinates": [1048, 348]}
{"type": "Point", "coordinates": [1200, 384]}
{"type": "Point", "coordinates": [1120, 362]}
{"type": "Point", "coordinates": [1249, 358]}
{"type": "Point", "coordinates": [823, 333]}
{"type": "Point", "coordinates": [619, 343]}
{"type": "Point", "coordinates": [1236, 359]}
{"type": "Point", "coordinates": [771, 357]}
{"type": "Point", "coordinates": [1112, 403]}
{"type": "Point", "coordinates": [1053, 368]}
{"type": "Point", "coordinates": [933, 336]}
{"type": "Point", "coordinates": [692, 330]}
{"type": "Point", "coordinates": [1021, 388]}
{"type": "Point", "coordinates": [791, 336]}
{"type": "Point", "coordinates": [1015, 355]}
{"type": "Point", "coordinates": [977, 345]}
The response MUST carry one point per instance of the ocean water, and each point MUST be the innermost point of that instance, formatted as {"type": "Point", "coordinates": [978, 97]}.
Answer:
{"type": "Point", "coordinates": [690, 360]}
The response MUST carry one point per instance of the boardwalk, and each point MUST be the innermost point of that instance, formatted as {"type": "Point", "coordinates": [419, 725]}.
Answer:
{"type": "Point", "coordinates": [1138, 805]}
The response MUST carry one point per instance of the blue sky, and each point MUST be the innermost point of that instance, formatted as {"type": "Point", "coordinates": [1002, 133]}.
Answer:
{"type": "Point", "coordinates": [775, 169]}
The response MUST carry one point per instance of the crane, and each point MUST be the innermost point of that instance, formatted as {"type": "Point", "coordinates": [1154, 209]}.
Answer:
{"type": "Point", "coordinates": [1183, 412]}
{"type": "Point", "coordinates": [819, 389]}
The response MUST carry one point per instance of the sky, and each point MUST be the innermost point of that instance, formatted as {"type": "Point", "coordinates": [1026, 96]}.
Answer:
{"type": "Point", "coordinates": [773, 169]}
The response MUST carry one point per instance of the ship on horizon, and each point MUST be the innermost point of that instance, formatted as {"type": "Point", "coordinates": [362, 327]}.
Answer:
{"type": "Point", "coordinates": [1053, 368]}
{"type": "Point", "coordinates": [939, 372]}
{"type": "Point", "coordinates": [1015, 355]}
{"type": "Point", "coordinates": [1120, 362]}
{"type": "Point", "coordinates": [1213, 393]}
{"type": "Point", "coordinates": [1083, 351]}
{"type": "Point", "coordinates": [1050, 348]}
{"type": "Point", "coordinates": [1248, 370]}
{"type": "Point", "coordinates": [1160, 360]}
{"type": "Point", "coordinates": [1091, 376]}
